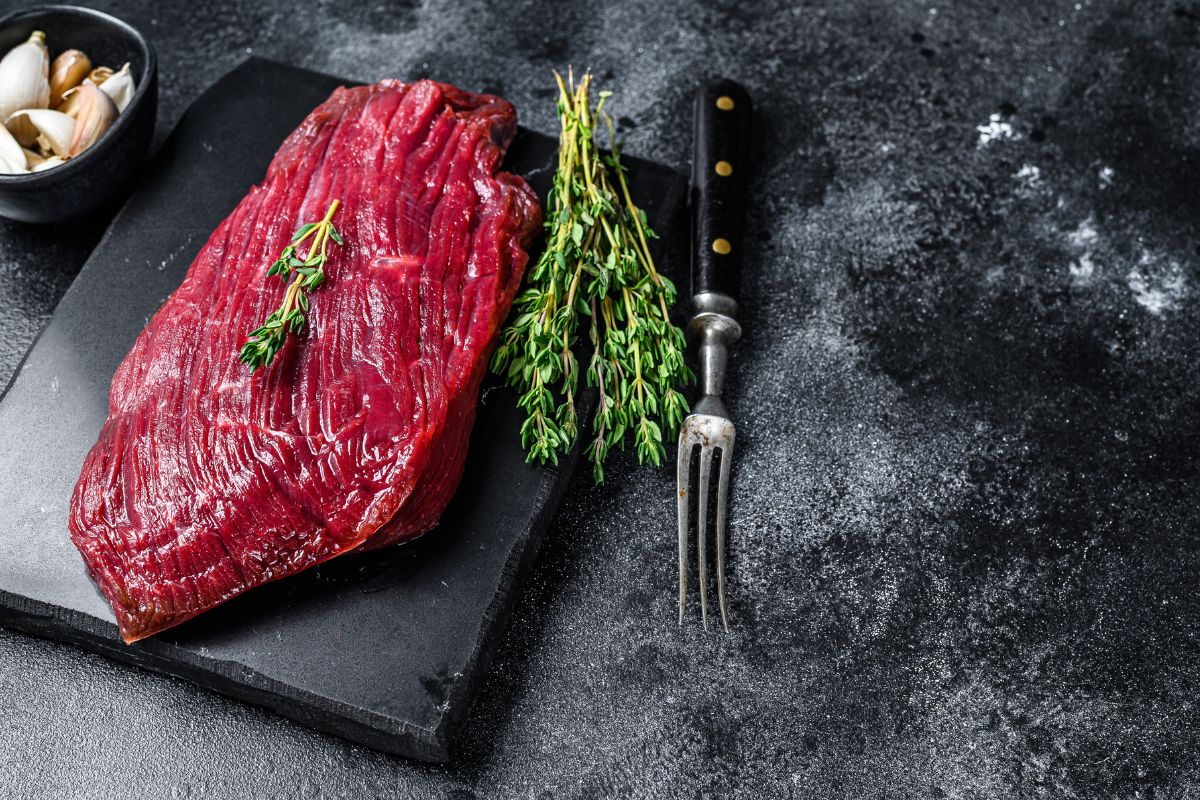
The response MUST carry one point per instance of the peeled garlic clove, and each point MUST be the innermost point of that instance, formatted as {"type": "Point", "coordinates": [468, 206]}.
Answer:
{"type": "Point", "coordinates": [93, 112]}
{"type": "Point", "coordinates": [100, 74]}
{"type": "Point", "coordinates": [24, 83]}
{"type": "Point", "coordinates": [49, 163]}
{"type": "Point", "coordinates": [119, 87]}
{"type": "Point", "coordinates": [12, 157]}
{"type": "Point", "coordinates": [55, 129]}
{"type": "Point", "coordinates": [66, 72]}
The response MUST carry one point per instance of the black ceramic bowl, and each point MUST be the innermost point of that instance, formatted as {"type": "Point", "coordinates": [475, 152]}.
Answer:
{"type": "Point", "coordinates": [103, 173]}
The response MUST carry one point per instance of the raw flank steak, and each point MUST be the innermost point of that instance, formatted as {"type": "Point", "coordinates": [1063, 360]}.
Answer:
{"type": "Point", "coordinates": [208, 479]}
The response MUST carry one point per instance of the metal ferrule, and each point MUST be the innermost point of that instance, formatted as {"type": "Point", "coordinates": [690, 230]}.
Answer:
{"type": "Point", "coordinates": [714, 333]}
{"type": "Point", "coordinates": [715, 302]}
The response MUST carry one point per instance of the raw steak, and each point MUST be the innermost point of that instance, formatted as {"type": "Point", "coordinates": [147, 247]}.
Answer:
{"type": "Point", "coordinates": [207, 479]}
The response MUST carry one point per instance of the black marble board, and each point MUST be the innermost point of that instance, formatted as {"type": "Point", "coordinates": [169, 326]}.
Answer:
{"type": "Point", "coordinates": [385, 648]}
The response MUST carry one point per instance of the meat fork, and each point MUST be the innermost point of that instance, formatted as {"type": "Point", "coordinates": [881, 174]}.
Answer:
{"type": "Point", "coordinates": [720, 164]}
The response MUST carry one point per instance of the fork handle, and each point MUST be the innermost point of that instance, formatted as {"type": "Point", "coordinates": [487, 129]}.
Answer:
{"type": "Point", "coordinates": [720, 172]}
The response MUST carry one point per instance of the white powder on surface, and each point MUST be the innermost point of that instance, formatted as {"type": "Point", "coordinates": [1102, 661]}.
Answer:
{"type": "Point", "coordinates": [1085, 235]}
{"type": "Point", "coordinates": [1083, 268]}
{"type": "Point", "coordinates": [1082, 241]}
{"type": "Point", "coordinates": [1028, 176]}
{"type": "Point", "coordinates": [995, 128]}
{"type": "Point", "coordinates": [1157, 283]}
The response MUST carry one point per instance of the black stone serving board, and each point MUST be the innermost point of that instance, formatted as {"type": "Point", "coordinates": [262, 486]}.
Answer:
{"type": "Point", "coordinates": [383, 648]}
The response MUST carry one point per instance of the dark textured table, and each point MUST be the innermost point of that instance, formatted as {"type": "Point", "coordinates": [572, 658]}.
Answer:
{"type": "Point", "coordinates": [964, 541]}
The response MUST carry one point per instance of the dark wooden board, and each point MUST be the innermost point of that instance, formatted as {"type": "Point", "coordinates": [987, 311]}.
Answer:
{"type": "Point", "coordinates": [384, 648]}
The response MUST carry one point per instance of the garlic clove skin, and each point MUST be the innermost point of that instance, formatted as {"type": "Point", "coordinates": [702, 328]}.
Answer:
{"type": "Point", "coordinates": [55, 129]}
{"type": "Point", "coordinates": [72, 98]}
{"type": "Point", "coordinates": [94, 113]}
{"type": "Point", "coordinates": [66, 72]}
{"type": "Point", "coordinates": [119, 87]}
{"type": "Point", "coordinates": [12, 157]}
{"type": "Point", "coordinates": [100, 74]}
{"type": "Point", "coordinates": [49, 163]}
{"type": "Point", "coordinates": [25, 83]}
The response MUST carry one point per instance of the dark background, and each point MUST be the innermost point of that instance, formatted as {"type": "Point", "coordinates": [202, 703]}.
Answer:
{"type": "Point", "coordinates": [964, 547]}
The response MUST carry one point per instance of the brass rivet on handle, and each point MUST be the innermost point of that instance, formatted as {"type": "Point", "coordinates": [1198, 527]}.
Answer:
{"type": "Point", "coordinates": [721, 247]}
{"type": "Point", "coordinates": [725, 103]}
{"type": "Point", "coordinates": [724, 169]}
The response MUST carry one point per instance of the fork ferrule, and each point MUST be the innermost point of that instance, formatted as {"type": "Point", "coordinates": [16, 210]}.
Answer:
{"type": "Point", "coordinates": [715, 332]}
{"type": "Point", "coordinates": [716, 302]}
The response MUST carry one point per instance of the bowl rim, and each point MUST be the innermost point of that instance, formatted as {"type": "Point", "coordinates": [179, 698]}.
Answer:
{"type": "Point", "coordinates": [107, 141]}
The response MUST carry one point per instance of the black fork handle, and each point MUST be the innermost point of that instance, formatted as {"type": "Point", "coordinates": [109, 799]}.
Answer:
{"type": "Point", "coordinates": [720, 173]}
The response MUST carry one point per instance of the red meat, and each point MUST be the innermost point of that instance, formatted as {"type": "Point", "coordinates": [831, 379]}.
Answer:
{"type": "Point", "coordinates": [207, 479]}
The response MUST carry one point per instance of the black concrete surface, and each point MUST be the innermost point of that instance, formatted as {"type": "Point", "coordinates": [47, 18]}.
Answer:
{"type": "Point", "coordinates": [964, 548]}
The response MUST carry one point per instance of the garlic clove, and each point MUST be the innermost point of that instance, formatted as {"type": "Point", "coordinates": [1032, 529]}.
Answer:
{"type": "Point", "coordinates": [24, 76]}
{"type": "Point", "coordinates": [93, 112]}
{"type": "Point", "coordinates": [23, 131]}
{"type": "Point", "coordinates": [12, 157]}
{"type": "Point", "coordinates": [55, 129]}
{"type": "Point", "coordinates": [119, 87]}
{"type": "Point", "coordinates": [24, 83]}
{"type": "Point", "coordinates": [66, 72]}
{"type": "Point", "coordinates": [32, 157]}
{"type": "Point", "coordinates": [100, 74]}
{"type": "Point", "coordinates": [49, 163]}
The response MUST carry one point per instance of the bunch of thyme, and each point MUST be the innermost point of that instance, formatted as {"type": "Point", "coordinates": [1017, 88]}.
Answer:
{"type": "Point", "coordinates": [265, 343]}
{"type": "Point", "coordinates": [596, 265]}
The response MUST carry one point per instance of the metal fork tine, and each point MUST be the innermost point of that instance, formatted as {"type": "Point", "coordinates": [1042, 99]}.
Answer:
{"type": "Point", "coordinates": [681, 478]}
{"type": "Point", "coordinates": [707, 434]}
{"type": "Point", "coordinates": [722, 505]}
{"type": "Point", "coordinates": [706, 457]}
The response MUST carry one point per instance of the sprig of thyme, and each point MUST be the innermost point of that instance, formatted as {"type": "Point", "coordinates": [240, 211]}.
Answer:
{"type": "Point", "coordinates": [596, 265]}
{"type": "Point", "coordinates": [265, 343]}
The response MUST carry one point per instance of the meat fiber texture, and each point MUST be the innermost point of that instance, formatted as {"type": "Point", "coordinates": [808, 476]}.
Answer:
{"type": "Point", "coordinates": [208, 480]}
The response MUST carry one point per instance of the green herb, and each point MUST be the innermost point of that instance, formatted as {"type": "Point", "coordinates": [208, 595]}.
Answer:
{"type": "Point", "coordinates": [596, 266]}
{"type": "Point", "coordinates": [265, 343]}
